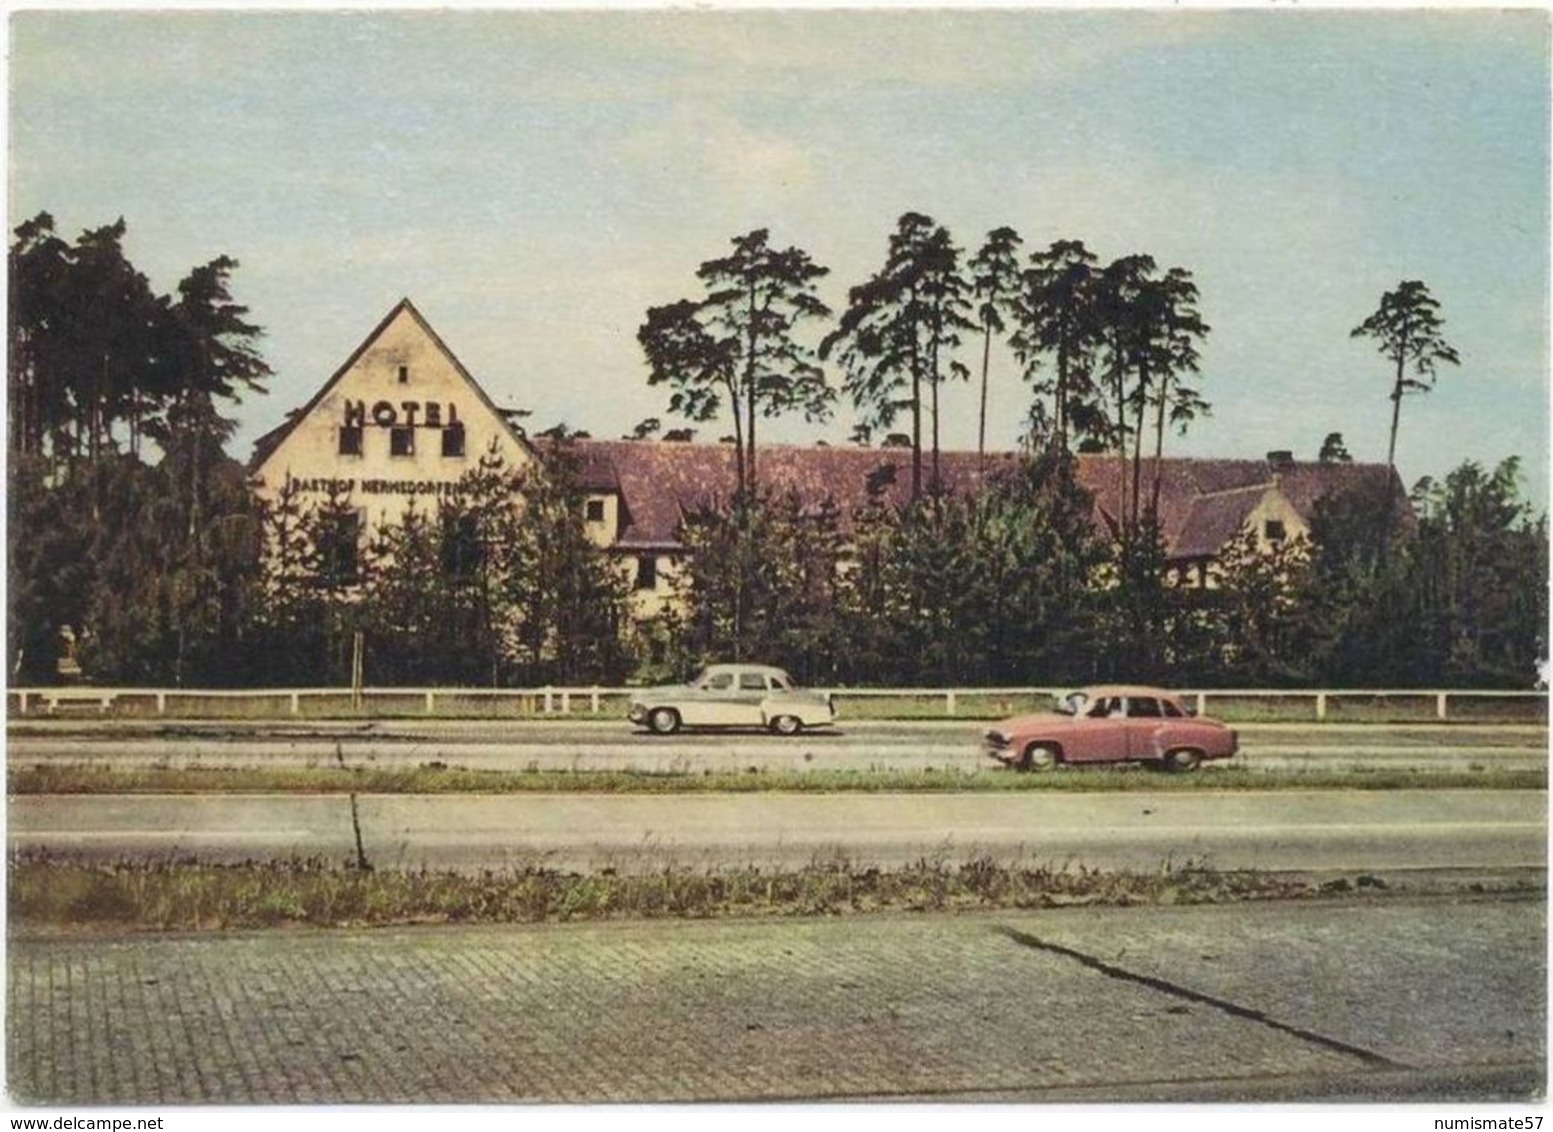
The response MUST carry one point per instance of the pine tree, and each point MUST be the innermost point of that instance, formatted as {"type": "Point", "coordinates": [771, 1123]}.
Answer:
{"type": "Point", "coordinates": [739, 344]}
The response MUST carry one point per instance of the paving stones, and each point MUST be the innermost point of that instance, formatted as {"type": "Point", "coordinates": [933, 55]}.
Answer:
{"type": "Point", "coordinates": [933, 1006]}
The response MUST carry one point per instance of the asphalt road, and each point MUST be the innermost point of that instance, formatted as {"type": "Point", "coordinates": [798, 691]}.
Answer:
{"type": "Point", "coordinates": [614, 745]}
{"type": "Point", "coordinates": [1302, 831]}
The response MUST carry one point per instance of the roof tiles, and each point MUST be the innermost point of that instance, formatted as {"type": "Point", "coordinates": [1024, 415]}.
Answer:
{"type": "Point", "coordinates": [1202, 502]}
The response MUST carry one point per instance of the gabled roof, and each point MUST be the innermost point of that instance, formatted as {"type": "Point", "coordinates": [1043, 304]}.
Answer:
{"type": "Point", "coordinates": [660, 482]}
{"type": "Point", "coordinates": [1202, 502]}
{"type": "Point", "coordinates": [1212, 520]}
{"type": "Point", "coordinates": [265, 446]}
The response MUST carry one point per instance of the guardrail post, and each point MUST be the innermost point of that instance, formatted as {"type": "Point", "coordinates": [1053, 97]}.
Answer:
{"type": "Point", "coordinates": [23, 696]}
{"type": "Point", "coordinates": [430, 702]}
{"type": "Point", "coordinates": [548, 706]}
{"type": "Point", "coordinates": [595, 703]}
{"type": "Point", "coordinates": [1439, 706]}
{"type": "Point", "coordinates": [1321, 705]}
{"type": "Point", "coordinates": [161, 703]}
{"type": "Point", "coordinates": [566, 702]}
{"type": "Point", "coordinates": [296, 703]}
{"type": "Point", "coordinates": [949, 701]}
{"type": "Point", "coordinates": [1202, 704]}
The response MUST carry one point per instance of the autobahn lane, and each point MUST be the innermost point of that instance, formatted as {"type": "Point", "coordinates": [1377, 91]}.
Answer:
{"type": "Point", "coordinates": [587, 745]}
{"type": "Point", "coordinates": [1303, 831]}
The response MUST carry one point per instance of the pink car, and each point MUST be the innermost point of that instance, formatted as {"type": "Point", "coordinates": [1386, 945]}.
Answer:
{"type": "Point", "coordinates": [1113, 723]}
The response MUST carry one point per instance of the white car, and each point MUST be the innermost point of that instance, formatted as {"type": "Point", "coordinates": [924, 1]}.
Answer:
{"type": "Point", "coordinates": [732, 695]}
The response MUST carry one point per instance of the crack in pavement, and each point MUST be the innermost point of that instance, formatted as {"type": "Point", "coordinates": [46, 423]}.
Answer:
{"type": "Point", "coordinates": [1110, 970]}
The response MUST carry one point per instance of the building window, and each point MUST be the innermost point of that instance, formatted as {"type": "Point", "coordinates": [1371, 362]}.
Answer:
{"type": "Point", "coordinates": [1273, 531]}
{"type": "Point", "coordinates": [462, 552]}
{"type": "Point", "coordinates": [453, 440]}
{"type": "Point", "coordinates": [404, 375]}
{"type": "Point", "coordinates": [646, 572]}
{"type": "Point", "coordinates": [339, 546]}
{"type": "Point", "coordinates": [401, 441]}
{"type": "Point", "coordinates": [595, 510]}
{"type": "Point", "coordinates": [350, 440]}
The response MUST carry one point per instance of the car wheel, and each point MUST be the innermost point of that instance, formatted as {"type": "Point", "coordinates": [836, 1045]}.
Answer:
{"type": "Point", "coordinates": [663, 721]}
{"type": "Point", "coordinates": [1182, 759]}
{"type": "Point", "coordinates": [1039, 756]}
{"type": "Point", "coordinates": [786, 724]}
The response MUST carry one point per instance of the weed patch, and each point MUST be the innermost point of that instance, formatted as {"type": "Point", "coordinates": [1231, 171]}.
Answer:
{"type": "Point", "coordinates": [437, 778]}
{"type": "Point", "coordinates": [189, 895]}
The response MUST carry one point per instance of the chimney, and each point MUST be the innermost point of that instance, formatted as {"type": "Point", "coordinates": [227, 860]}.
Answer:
{"type": "Point", "coordinates": [1281, 458]}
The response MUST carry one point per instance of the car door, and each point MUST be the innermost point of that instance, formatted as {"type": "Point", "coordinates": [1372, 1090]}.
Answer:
{"type": "Point", "coordinates": [745, 704]}
{"type": "Point", "coordinates": [1099, 734]}
{"type": "Point", "coordinates": [708, 705]}
{"type": "Point", "coordinates": [1144, 717]}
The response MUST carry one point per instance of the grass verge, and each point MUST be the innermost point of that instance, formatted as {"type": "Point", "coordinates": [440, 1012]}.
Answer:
{"type": "Point", "coordinates": [55, 892]}
{"type": "Point", "coordinates": [434, 778]}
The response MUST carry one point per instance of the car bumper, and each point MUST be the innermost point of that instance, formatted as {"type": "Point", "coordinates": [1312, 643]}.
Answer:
{"type": "Point", "coordinates": [638, 713]}
{"type": "Point", "coordinates": [995, 746]}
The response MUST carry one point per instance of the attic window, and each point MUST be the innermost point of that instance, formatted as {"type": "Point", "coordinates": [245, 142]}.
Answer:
{"type": "Point", "coordinates": [401, 441]}
{"type": "Point", "coordinates": [350, 440]}
{"type": "Point", "coordinates": [1273, 530]}
{"type": "Point", "coordinates": [453, 440]}
{"type": "Point", "coordinates": [595, 510]}
{"type": "Point", "coordinates": [404, 375]}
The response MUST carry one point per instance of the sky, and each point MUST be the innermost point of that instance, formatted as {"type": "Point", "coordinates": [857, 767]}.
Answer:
{"type": "Point", "coordinates": [536, 180]}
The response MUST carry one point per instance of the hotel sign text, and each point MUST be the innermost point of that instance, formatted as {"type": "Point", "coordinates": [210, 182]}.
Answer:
{"type": "Point", "coordinates": [386, 414]}
{"type": "Point", "coordinates": [335, 485]}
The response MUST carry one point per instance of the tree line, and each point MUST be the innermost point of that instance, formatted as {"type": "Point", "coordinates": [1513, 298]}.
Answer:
{"type": "Point", "coordinates": [1015, 586]}
{"type": "Point", "coordinates": [1107, 350]}
{"type": "Point", "coordinates": [131, 528]}
{"type": "Point", "coordinates": [493, 585]}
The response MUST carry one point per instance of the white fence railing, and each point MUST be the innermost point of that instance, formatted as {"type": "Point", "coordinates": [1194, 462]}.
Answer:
{"type": "Point", "coordinates": [1310, 703]}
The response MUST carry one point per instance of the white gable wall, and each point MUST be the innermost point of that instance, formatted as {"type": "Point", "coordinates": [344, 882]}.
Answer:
{"type": "Point", "coordinates": [1275, 506]}
{"type": "Point", "coordinates": [434, 395]}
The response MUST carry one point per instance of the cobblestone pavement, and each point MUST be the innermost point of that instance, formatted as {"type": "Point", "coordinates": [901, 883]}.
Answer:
{"type": "Point", "coordinates": [1224, 1002]}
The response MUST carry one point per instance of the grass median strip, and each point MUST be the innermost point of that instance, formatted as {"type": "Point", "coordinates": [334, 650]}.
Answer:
{"type": "Point", "coordinates": [49, 891]}
{"type": "Point", "coordinates": [434, 778]}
